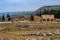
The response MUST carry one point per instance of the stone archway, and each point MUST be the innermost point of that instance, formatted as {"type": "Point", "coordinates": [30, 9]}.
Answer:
{"type": "Point", "coordinates": [51, 19]}
{"type": "Point", "coordinates": [48, 19]}
{"type": "Point", "coordinates": [44, 20]}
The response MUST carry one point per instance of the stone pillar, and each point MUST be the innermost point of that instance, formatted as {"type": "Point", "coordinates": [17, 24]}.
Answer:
{"type": "Point", "coordinates": [46, 20]}
{"type": "Point", "coordinates": [33, 38]}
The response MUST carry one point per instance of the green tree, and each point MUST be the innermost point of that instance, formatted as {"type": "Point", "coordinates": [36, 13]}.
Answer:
{"type": "Point", "coordinates": [8, 16]}
{"type": "Point", "coordinates": [3, 18]}
{"type": "Point", "coordinates": [56, 13]}
{"type": "Point", "coordinates": [0, 18]}
{"type": "Point", "coordinates": [40, 13]}
{"type": "Point", "coordinates": [37, 14]}
{"type": "Point", "coordinates": [32, 17]}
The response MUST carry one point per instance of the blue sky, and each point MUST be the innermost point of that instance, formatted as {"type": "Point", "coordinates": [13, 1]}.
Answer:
{"type": "Point", "coordinates": [25, 5]}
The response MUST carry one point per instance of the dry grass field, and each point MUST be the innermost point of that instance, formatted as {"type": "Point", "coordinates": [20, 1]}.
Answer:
{"type": "Point", "coordinates": [17, 31]}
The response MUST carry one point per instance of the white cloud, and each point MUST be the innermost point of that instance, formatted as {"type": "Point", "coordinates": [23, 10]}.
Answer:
{"type": "Point", "coordinates": [17, 1]}
{"type": "Point", "coordinates": [13, 1]}
{"type": "Point", "coordinates": [25, 5]}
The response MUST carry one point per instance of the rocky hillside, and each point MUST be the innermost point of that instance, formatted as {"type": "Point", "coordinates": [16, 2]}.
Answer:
{"type": "Point", "coordinates": [40, 10]}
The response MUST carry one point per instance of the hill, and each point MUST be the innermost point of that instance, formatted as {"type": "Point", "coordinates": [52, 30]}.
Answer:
{"type": "Point", "coordinates": [55, 9]}
{"type": "Point", "coordinates": [15, 14]}
{"type": "Point", "coordinates": [25, 13]}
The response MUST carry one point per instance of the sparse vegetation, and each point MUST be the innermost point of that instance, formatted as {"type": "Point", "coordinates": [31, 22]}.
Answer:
{"type": "Point", "coordinates": [14, 30]}
{"type": "Point", "coordinates": [54, 12]}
